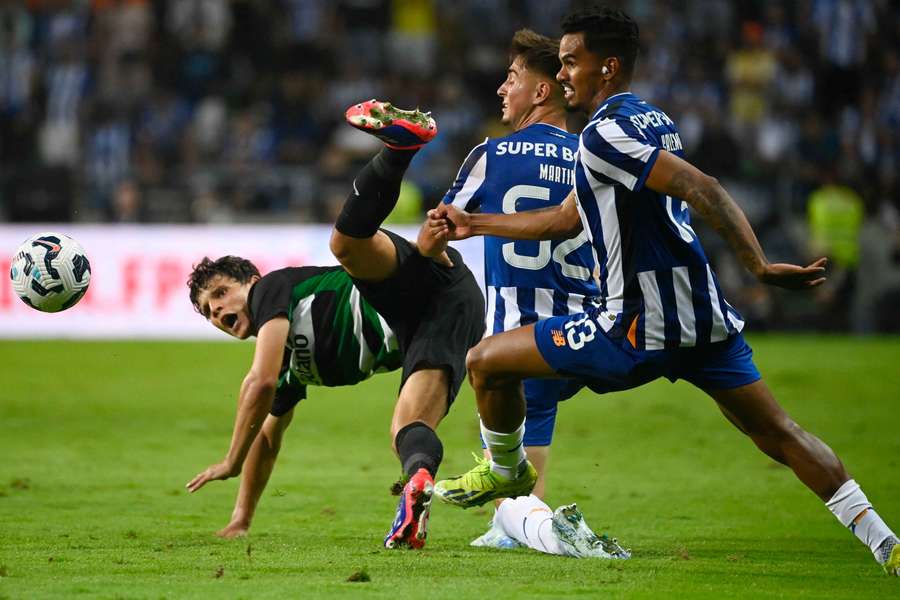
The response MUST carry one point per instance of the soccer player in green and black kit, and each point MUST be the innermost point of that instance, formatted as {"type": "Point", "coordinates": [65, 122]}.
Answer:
{"type": "Point", "coordinates": [391, 304]}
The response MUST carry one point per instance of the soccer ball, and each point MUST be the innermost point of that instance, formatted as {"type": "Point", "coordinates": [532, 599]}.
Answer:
{"type": "Point", "coordinates": [50, 272]}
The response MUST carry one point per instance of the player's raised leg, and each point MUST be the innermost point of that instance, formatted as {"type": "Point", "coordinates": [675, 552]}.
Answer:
{"type": "Point", "coordinates": [420, 407]}
{"type": "Point", "coordinates": [497, 366]}
{"type": "Point", "coordinates": [364, 251]}
{"type": "Point", "coordinates": [753, 409]}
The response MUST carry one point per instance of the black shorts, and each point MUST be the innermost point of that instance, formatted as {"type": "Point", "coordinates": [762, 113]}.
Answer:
{"type": "Point", "coordinates": [436, 311]}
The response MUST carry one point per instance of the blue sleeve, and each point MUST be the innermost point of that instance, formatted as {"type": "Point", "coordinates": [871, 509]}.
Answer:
{"type": "Point", "coordinates": [465, 192]}
{"type": "Point", "coordinates": [615, 151]}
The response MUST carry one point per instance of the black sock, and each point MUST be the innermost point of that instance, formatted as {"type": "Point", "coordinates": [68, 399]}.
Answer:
{"type": "Point", "coordinates": [375, 193]}
{"type": "Point", "coordinates": [391, 164]}
{"type": "Point", "coordinates": [419, 447]}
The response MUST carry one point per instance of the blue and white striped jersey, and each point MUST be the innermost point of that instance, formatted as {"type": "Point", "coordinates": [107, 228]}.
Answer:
{"type": "Point", "coordinates": [526, 280]}
{"type": "Point", "coordinates": [656, 285]}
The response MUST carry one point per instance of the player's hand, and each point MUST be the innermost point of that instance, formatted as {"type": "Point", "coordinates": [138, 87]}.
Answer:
{"type": "Point", "coordinates": [432, 242]}
{"type": "Point", "coordinates": [234, 529]}
{"type": "Point", "coordinates": [457, 223]}
{"type": "Point", "coordinates": [220, 470]}
{"type": "Point", "coordinates": [794, 277]}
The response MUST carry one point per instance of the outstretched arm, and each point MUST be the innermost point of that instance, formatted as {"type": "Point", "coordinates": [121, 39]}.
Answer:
{"type": "Point", "coordinates": [676, 177]}
{"type": "Point", "coordinates": [257, 393]}
{"type": "Point", "coordinates": [257, 469]}
{"type": "Point", "coordinates": [554, 223]}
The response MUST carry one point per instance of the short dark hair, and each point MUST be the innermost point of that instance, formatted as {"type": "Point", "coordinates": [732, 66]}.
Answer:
{"type": "Point", "coordinates": [539, 52]}
{"type": "Point", "coordinates": [607, 32]}
{"type": "Point", "coordinates": [235, 267]}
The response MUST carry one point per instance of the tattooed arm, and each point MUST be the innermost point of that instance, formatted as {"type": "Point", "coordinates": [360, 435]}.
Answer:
{"type": "Point", "coordinates": [678, 178]}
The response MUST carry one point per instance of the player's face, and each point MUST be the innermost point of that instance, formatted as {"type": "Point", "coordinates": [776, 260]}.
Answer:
{"type": "Point", "coordinates": [224, 304]}
{"type": "Point", "coordinates": [517, 92]}
{"type": "Point", "coordinates": [580, 73]}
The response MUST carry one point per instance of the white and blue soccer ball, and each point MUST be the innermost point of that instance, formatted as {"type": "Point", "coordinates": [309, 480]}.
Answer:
{"type": "Point", "coordinates": [50, 272]}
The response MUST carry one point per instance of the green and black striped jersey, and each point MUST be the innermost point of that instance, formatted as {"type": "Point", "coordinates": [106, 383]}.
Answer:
{"type": "Point", "coordinates": [335, 338]}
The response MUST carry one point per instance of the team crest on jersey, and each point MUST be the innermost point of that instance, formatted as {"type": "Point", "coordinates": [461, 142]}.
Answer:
{"type": "Point", "coordinates": [558, 338]}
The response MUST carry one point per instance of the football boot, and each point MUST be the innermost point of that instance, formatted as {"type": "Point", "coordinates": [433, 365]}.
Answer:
{"type": "Point", "coordinates": [495, 537]}
{"type": "Point", "coordinates": [481, 485]}
{"type": "Point", "coordinates": [890, 554]}
{"type": "Point", "coordinates": [579, 540]}
{"type": "Point", "coordinates": [398, 129]}
{"type": "Point", "coordinates": [410, 526]}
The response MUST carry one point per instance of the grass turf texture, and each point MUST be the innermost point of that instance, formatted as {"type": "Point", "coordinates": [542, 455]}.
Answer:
{"type": "Point", "coordinates": [98, 440]}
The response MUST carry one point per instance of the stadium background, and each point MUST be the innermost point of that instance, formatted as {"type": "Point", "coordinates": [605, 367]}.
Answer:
{"type": "Point", "coordinates": [209, 112]}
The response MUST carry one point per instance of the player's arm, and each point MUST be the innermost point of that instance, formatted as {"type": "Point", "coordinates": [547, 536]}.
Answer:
{"type": "Point", "coordinates": [255, 401]}
{"type": "Point", "coordinates": [257, 469]}
{"type": "Point", "coordinates": [673, 176]}
{"type": "Point", "coordinates": [553, 223]}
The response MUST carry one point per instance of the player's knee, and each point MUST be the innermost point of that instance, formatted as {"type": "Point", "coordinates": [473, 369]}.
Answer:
{"type": "Point", "coordinates": [482, 368]}
{"type": "Point", "coordinates": [476, 360]}
{"type": "Point", "coordinates": [340, 246]}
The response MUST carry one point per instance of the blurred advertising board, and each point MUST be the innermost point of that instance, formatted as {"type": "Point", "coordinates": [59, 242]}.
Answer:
{"type": "Point", "coordinates": [138, 275]}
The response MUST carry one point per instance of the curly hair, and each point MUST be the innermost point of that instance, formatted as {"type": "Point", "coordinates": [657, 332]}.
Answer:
{"type": "Point", "coordinates": [607, 32]}
{"type": "Point", "coordinates": [235, 267]}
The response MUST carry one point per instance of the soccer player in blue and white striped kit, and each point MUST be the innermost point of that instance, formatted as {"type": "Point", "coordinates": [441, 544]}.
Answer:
{"type": "Point", "coordinates": [662, 313]}
{"type": "Point", "coordinates": [526, 281]}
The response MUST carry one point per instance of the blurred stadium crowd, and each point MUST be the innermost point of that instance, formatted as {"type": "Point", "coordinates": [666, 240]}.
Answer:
{"type": "Point", "coordinates": [231, 111]}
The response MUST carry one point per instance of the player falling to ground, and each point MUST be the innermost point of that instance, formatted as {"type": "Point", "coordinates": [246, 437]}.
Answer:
{"type": "Point", "coordinates": [387, 307]}
{"type": "Point", "coordinates": [530, 280]}
{"type": "Point", "coordinates": [662, 312]}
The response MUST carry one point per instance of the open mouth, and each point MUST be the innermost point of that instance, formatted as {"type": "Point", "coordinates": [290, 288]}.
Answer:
{"type": "Point", "coordinates": [229, 320]}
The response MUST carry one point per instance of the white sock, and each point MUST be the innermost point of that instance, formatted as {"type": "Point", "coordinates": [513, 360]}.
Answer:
{"type": "Point", "coordinates": [851, 507]}
{"type": "Point", "coordinates": [529, 520]}
{"type": "Point", "coordinates": [507, 451]}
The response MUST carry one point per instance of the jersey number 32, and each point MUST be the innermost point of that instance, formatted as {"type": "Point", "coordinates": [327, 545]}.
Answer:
{"type": "Point", "coordinates": [545, 253]}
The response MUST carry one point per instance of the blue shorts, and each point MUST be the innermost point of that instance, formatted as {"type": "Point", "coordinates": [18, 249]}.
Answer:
{"type": "Point", "coordinates": [575, 346]}
{"type": "Point", "coordinates": [541, 399]}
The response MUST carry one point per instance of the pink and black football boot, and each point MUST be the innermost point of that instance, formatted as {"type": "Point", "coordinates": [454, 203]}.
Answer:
{"type": "Point", "coordinates": [411, 523]}
{"type": "Point", "coordinates": [398, 129]}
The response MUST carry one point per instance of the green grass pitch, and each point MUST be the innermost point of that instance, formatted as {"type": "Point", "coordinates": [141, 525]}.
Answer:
{"type": "Point", "coordinates": [98, 439]}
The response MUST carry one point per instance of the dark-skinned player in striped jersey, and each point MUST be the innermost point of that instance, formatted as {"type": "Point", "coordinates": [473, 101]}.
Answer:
{"type": "Point", "coordinates": [662, 312]}
{"type": "Point", "coordinates": [392, 304]}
